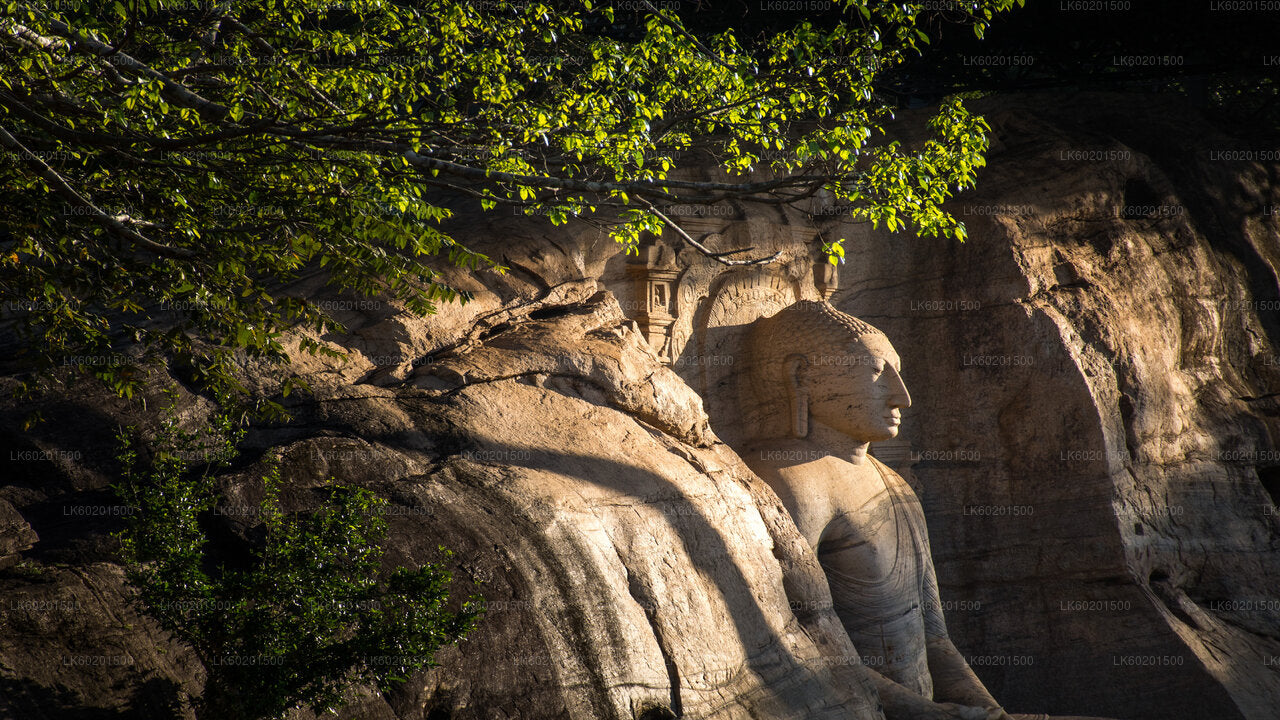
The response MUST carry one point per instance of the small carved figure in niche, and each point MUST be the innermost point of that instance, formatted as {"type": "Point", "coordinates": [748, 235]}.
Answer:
{"type": "Point", "coordinates": [825, 385]}
{"type": "Point", "coordinates": [660, 297]}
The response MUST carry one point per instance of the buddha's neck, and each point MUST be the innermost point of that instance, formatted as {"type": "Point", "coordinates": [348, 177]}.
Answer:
{"type": "Point", "coordinates": [838, 443]}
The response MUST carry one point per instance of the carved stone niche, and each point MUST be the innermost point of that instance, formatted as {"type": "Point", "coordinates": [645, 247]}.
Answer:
{"type": "Point", "coordinates": [654, 272]}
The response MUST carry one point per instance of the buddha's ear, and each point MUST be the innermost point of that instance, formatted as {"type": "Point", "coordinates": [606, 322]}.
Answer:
{"type": "Point", "coordinates": [792, 369]}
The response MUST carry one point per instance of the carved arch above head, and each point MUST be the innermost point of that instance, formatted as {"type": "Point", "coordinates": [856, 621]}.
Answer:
{"type": "Point", "coordinates": [694, 311]}
{"type": "Point", "coordinates": [714, 361]}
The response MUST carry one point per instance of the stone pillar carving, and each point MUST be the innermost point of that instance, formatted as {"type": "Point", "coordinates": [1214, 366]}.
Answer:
{"type": "Point", "coordinates": [826, 277]}
{"type": "Point", "coordinates": [654, 273]}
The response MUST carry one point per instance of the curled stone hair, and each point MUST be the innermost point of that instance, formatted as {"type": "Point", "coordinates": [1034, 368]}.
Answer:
{"type": "Point", "coordinates": [817, 314]}
{"type": "Point", "coordinates": [807, 328]}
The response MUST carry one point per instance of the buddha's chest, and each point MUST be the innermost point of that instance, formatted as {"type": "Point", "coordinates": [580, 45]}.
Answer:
{"type": "Point", "coordinates": [871, 548]}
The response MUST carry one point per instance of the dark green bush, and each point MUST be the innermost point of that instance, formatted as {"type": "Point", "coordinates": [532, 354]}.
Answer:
{"type": "Point", "coordinates": [309, 613]}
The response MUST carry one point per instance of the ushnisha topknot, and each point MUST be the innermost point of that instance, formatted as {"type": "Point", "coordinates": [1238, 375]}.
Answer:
{"type": "Point", "coordinates": [813, 314]}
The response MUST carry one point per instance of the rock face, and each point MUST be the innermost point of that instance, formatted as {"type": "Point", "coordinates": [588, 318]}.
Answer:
{"type": "Point", "coordinates": [633, 566]}
{"type": "Point", "coordinates": [1093, 436]}
{"type": "Point", "coordinates": [16, 535]}
{"type": "Point", "coordinates": [1094, 378]}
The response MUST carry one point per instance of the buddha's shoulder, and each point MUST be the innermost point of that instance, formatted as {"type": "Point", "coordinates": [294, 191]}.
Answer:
{"type": "Point", "coordinates": [888, 472]}
{"type": "Point", "coordinates": [892, 480]}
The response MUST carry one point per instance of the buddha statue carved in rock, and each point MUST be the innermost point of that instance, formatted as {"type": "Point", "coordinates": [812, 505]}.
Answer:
{"type": "Point", "coordinates": [823, 386]}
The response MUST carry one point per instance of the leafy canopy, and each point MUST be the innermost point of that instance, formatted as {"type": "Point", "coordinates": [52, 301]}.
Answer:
{"type": "Point", "coordinates": [170, 165]}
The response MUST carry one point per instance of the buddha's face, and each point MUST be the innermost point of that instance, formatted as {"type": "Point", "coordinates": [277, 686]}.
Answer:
{"type": "Point", "coordinates": [858, 390]}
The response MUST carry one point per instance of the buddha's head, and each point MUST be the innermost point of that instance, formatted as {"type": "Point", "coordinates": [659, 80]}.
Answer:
{"type": "Point", "coordinates": [813, 364]}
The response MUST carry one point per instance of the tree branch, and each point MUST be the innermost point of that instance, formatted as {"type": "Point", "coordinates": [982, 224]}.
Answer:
{"type": "Point", "coordinates": [265, 47]}
{"type": "Point", "coordinates": [720, 257]}
{"type": "Point", "coordinates": [179, 93]}
{"type": "Point", "coordinates": [115, 224]}
{"type": "Point", "coordinates": [182, 96]}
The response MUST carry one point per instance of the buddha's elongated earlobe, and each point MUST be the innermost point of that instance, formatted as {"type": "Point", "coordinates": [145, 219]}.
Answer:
{"type": "Point", "coordinates": [800, 420]}
{"type": "Point", "coordinates": [798, 394]}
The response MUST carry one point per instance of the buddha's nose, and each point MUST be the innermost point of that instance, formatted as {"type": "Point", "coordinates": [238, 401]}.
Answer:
{"type": "Point", "coordinates": [898, 395]}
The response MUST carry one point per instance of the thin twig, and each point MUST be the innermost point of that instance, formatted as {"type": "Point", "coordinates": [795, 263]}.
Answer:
{"type": "Point", "coordinates": [720, 257]}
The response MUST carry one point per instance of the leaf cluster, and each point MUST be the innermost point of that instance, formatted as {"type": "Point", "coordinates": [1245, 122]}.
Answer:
{"type": "Point", "coordinates": [307, 615]}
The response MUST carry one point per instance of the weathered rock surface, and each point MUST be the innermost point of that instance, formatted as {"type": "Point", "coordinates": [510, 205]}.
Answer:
{"type": "Point", "coordinates": [73, 647]}
{"type": "Point", "coordinates": [16, 535]}
{"type": "Point", "coordinates": [634, 567]}
{"type": "Point", "coordinates": [1094, 377]}
{"type": "Point", "coordinates": [1093, 436]}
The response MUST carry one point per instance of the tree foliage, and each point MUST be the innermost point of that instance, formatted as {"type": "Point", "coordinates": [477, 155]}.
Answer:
{"type": "Point", "coordinates": [306, 615]}
{"type": "Point", "coordinates": [170, 163]}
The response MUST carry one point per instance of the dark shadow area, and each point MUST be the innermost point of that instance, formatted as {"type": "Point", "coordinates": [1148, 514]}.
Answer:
{"type": "Point", "coordinates": [60, 467]}
{"type": "Point", "coordinates": [71, 434]}
{"type": "Point", "coordinates": [1210, 53]}
{"type": "Point", "coordinates": [155, 699]}
{"type": "Point", "coordinates": [158, 699]}
{"type": "Point", "coordinates": [1270, 479]}
{"type": "Point", "coordinates": [76, 528]}
{"type": "Point", "coordinates": [26, 700]}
